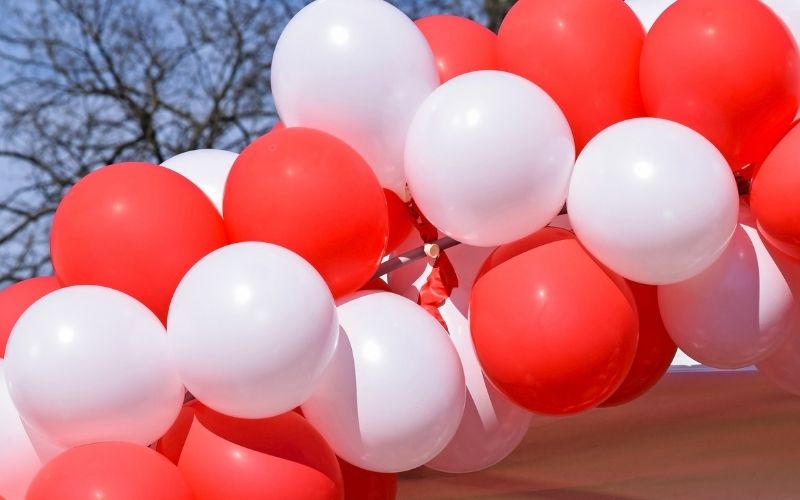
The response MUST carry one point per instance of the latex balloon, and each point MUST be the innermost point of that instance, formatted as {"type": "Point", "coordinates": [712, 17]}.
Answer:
{"type": "Point", "coordinates": [653, 200]}
{"type": "Point", "coordinates": [252, 326]}
{"type": "Point", "coordinates": [648, 10]}
{"type": "Point", "coordinates": [136, 228]}
{"type": "Point", "coordinates": [45, 449]}
{"type": "Point", "coordinates": [279, 457]}
{"type": "Point", "coordinates": [740, 92]}
{"type": "Point", "coordinates": [590, 68]}
{"type": "Point", "coordinates": [87, 364]}
{"type": "Point", "coordinates": [118, 471]}
{"type": "Point", "coordinates": [782, 367]}
{"type": "Point", "coordinates": [309, 192]}
{"type": "Point", "coordinates": [392, 397]}
{"type": "Point", "coordinates": [736, 312]}
{"type": "Point", "coordinates": [561, 222]}
{"type": "Point", "coordinates": [400, 223]}
{"type": "Point", "coordinates": [509, 251]}
{"type": "Point", "coordinates": [789, 12]}
{"type": "Point", "coordinates": [361, 484]}
{"type": "Point", "coordinates": [532, 342]}
{"type": "Point", "coordinates": [654, 352]}
{"type": "Point", "coordinates": [15, 299]}
{"type": "Point", "coordinates": [207, 168]}
{"type": "Point", "coordinates": [171, 443]}
{"type": "Point", "coordinates": [774, 198]}
{"type": "Point", "coordinates": [19, 461]}
{"type": "Point", "coordinates": [459, 45]}
{"type": "Point", "coordinates": [330, 72]}
{"type": "Point", "coordinates": [491, 426]}
{"type": "Point", "coordinates": [488, 158]}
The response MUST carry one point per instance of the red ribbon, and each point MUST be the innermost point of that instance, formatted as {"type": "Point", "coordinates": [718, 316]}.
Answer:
{"type": "Point", "coordinates": [442, 279]}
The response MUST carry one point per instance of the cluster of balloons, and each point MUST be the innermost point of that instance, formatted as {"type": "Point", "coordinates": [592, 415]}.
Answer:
{"type": "Point", "coordinates": [247, 279]}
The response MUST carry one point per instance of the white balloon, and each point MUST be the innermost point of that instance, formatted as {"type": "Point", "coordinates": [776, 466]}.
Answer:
{"type": "Point", "coordinates": [648, 10]}
{"type": "Point", "coordinates": [87, 364]}
{"type": "Point", "coordinates": [19, 462]}
{"type": "Point", "coordinates": [393, 395]}
{"type": "Point", "coordinates": [357, 69]}
{"type": "Point", "coordinates": [737, 311]}
{"type": "Point", "coordinates": [252, 326]}
{"type": "Point", "coordinates": [491, 426]}
{"type": "Point", "coordinates": [208, 169]}
{"type": "Point", "coordinates": [653, 200]}
{"type": "Point", "coordinates": [488, 158]}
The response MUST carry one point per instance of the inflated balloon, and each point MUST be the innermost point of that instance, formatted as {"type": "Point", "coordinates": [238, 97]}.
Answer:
{"type": "Point", "coordinates": [532, 341]}
{"type": "Point", "coordinates": [728, 69]}
{"type": "Point", "coordinates": [736, 312]}
{"type": "Point", "coordinates": [653, 200]}
{"type": "Point", "coordinates": [136, 228]}
{"type": "Point", "coordinates": [19, 461]}
{"type": "Point", "coordinates": [252, 326]}
{"type": "Point", "coordinates": [648, 10]}
{"type": "Point", "coordinates": [488, 158]}
{"type": "Point", "coordinates": [590, 67]}
{"type": "Point", "coordinates": [459, 45]}
{"type": "Point", "coordinates": [311, 193]}
{"type": "Point", "coordinates": [400, 222]}
{"type": "Point", "coordinates": [358, 70]}
{"type": "Point", "coordinates": [110, 470]}
{"type": "Point", "coordinates": [362, 484]}
{"type": "Point", "coordinates": [87, 364]}
{"type": "Point", "coordinates": [782, 367]}
{"type": "Point", "coordinates": [774, 198]}
{"type": "Point", "coordinates": [789, 12]}
{"type": "Point", "coordinates": [171, 443]}
{"type": "Point", "coordinates": [47, 450]}
{"type": "Point", "coordinates": [207, 168]}
{"type": "Point", "coordinates": [392, 397]}
{"type": "Point", "coordinates": [491, 426]}
{"type": "Point", "coordinates": [15, 299]}
{"type": "Point", "coordinates": [654, 352]}
{"type": "Point", "coordinates": [278, 457]}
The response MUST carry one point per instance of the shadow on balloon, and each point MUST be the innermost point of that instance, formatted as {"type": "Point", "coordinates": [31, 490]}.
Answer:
{"type": "Point", "coordinates": [278, 457]}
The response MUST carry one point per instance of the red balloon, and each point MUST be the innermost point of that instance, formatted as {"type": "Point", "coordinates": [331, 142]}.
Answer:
{"type": "Point", "coordinates": [775, 195]}
{"type": "Point", "coordinates": [377, 284]}
{"type": "Point", "coordinates": [112, 471]}
{"type": "Point", "coordinates": [361, 484]}
{"type": "Point", "coordinates": [726, 68]}
{"type": "Point", "coordinates": [313, 194]}
{"type": "Point", "coordinates": [654, 352]}
{"type": "Point", "coordinates": [459, 45]}
{"type": "Point", "coordinates": [400, 223]}
{"type": "Point", "coordinates": [17, 298]}
{"type": "Point", "coordinates": [134, 227]}
{"type": "Point", "coordinates": [278, 457]}
{"type": "Point", "coordinates": [171, 444]}
{"type": "Point", "coordinates": [511, 250]}
{"type": "Point", "coordinates": [554, 330]}
{"type": "Point", "coordinates": [278, 126]}
{"type": "Point", "coordinates": [585, 54]}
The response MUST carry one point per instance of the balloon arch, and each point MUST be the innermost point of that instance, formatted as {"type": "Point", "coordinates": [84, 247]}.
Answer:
{"type": "Point", "coordinates": [254, 281]}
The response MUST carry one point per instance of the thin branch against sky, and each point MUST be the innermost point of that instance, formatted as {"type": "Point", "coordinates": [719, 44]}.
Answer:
{"type": "Point", "coordinates": [87, 83]}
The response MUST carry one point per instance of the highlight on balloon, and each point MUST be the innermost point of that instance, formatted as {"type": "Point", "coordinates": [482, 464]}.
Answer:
{"type": "Point", "coordinates": [450, 228]}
